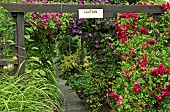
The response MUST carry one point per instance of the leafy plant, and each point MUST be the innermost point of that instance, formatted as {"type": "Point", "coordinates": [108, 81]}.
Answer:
{"type": "Point", "coordinates": [72, 64]}
{"type": "Point", "coordinates": [30, 91]}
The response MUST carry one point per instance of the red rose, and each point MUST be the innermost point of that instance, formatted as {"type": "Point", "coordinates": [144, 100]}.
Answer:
{"type": "Point", "coordinates": [151, 92]}
{"type": "Point", "coordinates": [161, 65]}
{"type": "Point", "coordinates": [166, 93]}
{"type": "Point", "coordinates": [135, 31]}
{"type": "Point", "coordinates": [152, 20]}
{"type": "Point", "coordinates": [119, 99]}
{"type": "Point", "coordinates": [112, 94]}
{"type": "Point", "coordinates": [143, 30]}
{"type": "Point", "coordinates": [124, 58]}
{"type": "Point", "coordinates": [133, 53]}
{"type": "Point", "coordinates": [155, 70]}
{"type": "Point", "coordinates": [159, 98]}
{"type": "Point", "coordinates": [137, 88]}
{"type": "Point", "coordinates": [117, 54]}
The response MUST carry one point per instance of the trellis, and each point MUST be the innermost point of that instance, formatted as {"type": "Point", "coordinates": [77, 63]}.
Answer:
{"type": "Point", "coordinates": [18, 10]}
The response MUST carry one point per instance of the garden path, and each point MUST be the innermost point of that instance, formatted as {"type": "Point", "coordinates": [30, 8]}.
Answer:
{"type": "Point", "coordinates": [71, 101]}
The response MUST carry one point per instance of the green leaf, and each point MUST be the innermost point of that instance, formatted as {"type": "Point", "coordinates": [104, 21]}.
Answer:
{"type": "Point", "coordinates": [36, 48]}
{"type": "Point", "coordinates": [28, 38]}
{"type": "Point", "coordinates": [49, 62]}
{"type": "Point", "coordinates": [11, 42]}
{"type": "Point", "coordinates": [35, 58]}
{"type": "Point", "coordinates": [29, 29]}
{"type": "Point", "coordinates": [42, 73]}
{"type": "Point", "coordinates": [3, 29]}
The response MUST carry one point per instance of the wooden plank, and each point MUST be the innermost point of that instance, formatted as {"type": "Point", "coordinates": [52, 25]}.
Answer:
{"type": "Point", "coordinates": [73, 8]}
{"type": "Point", "coordinates": [156, 17]}
{"type": "Point", "coordinates": [6, 60]}
{"type": "Point", "coordinates": [21, 42]}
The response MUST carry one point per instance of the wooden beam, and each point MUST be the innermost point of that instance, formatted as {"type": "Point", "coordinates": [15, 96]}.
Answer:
{"type": "Point", "coordinates": [109, 10]}
{"type": "Point", "coordinates": [5, 61]}
{"type": "Point", "coordinates": [20, 41]}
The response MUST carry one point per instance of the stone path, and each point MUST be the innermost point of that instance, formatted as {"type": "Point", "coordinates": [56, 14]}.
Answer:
{"type": "Point", "coordinates": [71, 102]}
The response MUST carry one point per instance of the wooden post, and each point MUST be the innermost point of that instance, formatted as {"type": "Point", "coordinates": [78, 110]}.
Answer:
{"type": "Point", "coordinates": [156, 17]}
{"type": "Point", "coordinates": [19, 37]}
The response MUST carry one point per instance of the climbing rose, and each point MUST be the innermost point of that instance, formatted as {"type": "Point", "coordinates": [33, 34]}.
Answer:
{"type": "Point", "coordinates": [151, 91]}
{"type": "Point", "coordinates": [137, 88]}
{"type": "Point", "coordinates": [152, 20]}
{"type": "Point", "coordinates": [166, 93]}
{"type": "Point", "coordinates": [112, 95]}
{"type": "Point", "coordinates": [143, 30]}
{"type": "Point", "coordinates": [155, 70]}
{"type": "Point", "coordinates": [159, 98]}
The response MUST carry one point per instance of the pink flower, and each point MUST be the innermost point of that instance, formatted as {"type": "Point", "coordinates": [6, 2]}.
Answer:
{"type": "Point", "coordinates": [155, 70]}
{"type": "Point", "coordinates": [117, 54]}
{"type": "Point", "coordinates": [166, 93]}
{"type": "Point", "coordinates": [135, 31]}
{"type": "Point", "coordinates": [112, 95]}
{"type": "Point", "coordinates": [161, 65]}
{"type": "Point", "coordinates": [151, 92]}
{"type": "Point", "coordinates": [143, 74]}
{"type": "Point", "coordinates": [119, 99]}
{"type": "Point", "coordinates": [127, 75]}
{"type": "Point", "coordinates": [143, 30]}
{"type": "Point", "coordinates": [152, 20]}
{"type": "Point", "coordinates": [123, 58]}
{"type": "Point", "coordinates": [137, 88]}
{"type": "Point", "coordinates": [133, 53]}
{"type": "Point", "coordinates": [159, 98]}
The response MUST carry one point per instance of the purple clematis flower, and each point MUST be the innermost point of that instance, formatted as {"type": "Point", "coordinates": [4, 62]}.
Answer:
{"type": "Point", "coordinates": [102, 59]}
{"type": "Point", "coordinates": [96, 46]}
{"type": "Point", "coordinates": [90, 35]}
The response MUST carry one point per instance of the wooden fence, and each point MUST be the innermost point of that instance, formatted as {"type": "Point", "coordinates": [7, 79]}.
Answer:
{"type": "Point", "coordinates": [18, 10]}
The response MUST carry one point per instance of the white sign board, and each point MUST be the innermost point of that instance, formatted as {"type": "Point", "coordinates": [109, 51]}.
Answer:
{"type": "Point", "coordinates": [90, 13]}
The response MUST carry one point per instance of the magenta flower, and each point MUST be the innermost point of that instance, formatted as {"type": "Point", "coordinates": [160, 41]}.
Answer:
{"type": "Point", "coordinates": [166, 93]}
{"type": "Point", "coordinates": [137, 88]}
{"type": "Point", "coordinates": [151, 92]}
{"type": "Point", "coordinates": [112, 95]}
{"type": "Point", "coordinates": [143, 30]}
{"type": "Point", "coordinates": [159, 98]}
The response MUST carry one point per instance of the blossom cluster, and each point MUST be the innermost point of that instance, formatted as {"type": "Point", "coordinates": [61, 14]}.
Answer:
{"type": "Point", "coordinates": [158, 71]}
{"type": "Point", "coordinates": [118, 97]}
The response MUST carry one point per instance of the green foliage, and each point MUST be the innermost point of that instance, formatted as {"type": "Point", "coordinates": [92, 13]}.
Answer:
{"type": "Point", "coordinates": [28, 93]}
{"type": "Point", "coordinates": [6, 33]}
{"type": "Point", "coordinates": [41, 33]}
{"type": "Point", "coordinates": [67, 45]}
{"type": "Point", "coordinates": [31, 91]}
{"type": "Point", "coordinates": [72, 64]}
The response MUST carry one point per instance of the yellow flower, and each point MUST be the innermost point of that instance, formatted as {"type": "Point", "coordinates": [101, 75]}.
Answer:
{"type": "Point", "coordinates": [11, 77]}
{"type": "Point", "coordinates": [14, 58]}
{"type": "Point", "coordinates": [5, 67]}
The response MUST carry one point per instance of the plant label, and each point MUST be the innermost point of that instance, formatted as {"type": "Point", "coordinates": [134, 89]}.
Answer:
{"type": "Point", "coordinates": [90, 13]}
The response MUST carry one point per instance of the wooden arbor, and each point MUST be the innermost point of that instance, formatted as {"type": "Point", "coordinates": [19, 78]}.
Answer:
{"type": "Point", "coordinates": [18, 10]}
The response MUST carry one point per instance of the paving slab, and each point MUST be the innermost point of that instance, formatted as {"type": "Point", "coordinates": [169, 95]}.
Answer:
{"type": "Point", "coordinates": [71, 101]}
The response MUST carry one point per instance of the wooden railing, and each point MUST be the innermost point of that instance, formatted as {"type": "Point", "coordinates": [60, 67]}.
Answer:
{"type": "Point", "coordinates": [18, 10]}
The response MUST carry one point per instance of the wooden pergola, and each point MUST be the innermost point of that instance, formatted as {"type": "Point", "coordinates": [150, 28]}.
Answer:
{"type": "Point", "coordinates": [17, 10]}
